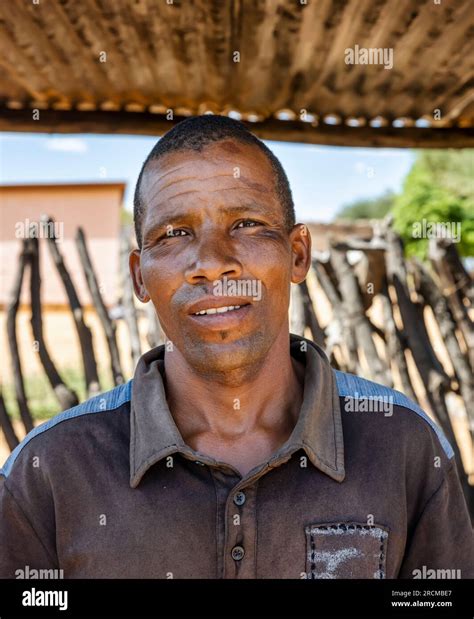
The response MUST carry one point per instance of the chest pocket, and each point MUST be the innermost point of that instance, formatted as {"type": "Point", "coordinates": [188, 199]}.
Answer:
{"type": "Point", "coordinates": [346, 550]}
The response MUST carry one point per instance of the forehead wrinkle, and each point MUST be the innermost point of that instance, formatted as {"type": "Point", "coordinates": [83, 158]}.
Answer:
{"type": "Point", "coordinates": [154, 190]}
{"type": "Point", "coordinates": [162, 219]}
{"type": "Point", "coordinates": [246, 206]}
{"type": "Point", "coordinates": [219, 189]}
{"type": "Point", "coordinates": [202, 177]}
{"type": "Point", "coordinates": [160, 204]}
{"type": "Point", "coordinates": [156, 179]}
{"type": "Point", "coordinates": [161, 175]}
{"type": "Point", "coordinates": [253, 184]}
{"type": "Point", "coordinates": [178, 195]}
{"type": "Point", "coordinates": [210, 160]}
{"type": "Point", "coordinates": [154, 166]}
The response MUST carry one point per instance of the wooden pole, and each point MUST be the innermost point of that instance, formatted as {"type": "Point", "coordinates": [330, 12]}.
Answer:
{"type": "Point", "coordinates": [130, 313]}
{"type": "Point", "coordinates": [435, 380]}
{"type": "Point", "coordinates": [17, 371]}
{"type": "Point", "coordinates": [66, 397]}
{"type": "Point", "coordinates": [326, 280]}
{"type": "Point", "coordinates": [447, 327]}
{"type": "Point", "coordinates": [310, 316]}
{"type": "Point", "coordinates": [83, 331]}
{"type": "Point", "coordinates": [444, 250]}
{"type": "Point", "coordinates": [452, 284]}
{"type": "Point", "coordinates": [107, 324]}
{"type": "Point", "coordinates": [6, 425]}
{"type": "Point", "coordinates": [395, 344]}
{"type": "Point", "coordinates": [354, 314]}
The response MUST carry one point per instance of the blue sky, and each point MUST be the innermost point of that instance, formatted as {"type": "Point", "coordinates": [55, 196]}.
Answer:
{"type": "Point", "coordinates": [322, 178]}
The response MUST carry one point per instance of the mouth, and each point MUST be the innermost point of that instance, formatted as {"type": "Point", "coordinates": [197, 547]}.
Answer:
{"type": "Point", "coordinates": [223, 317]}
{"type": "Point", "coordinates": [219, 310]}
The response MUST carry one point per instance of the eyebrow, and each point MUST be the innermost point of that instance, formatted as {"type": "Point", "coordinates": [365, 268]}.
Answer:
{"type": "Point", "coordinates": [244, 208]}
{"type": "Point", "coordinates": [179, 217]}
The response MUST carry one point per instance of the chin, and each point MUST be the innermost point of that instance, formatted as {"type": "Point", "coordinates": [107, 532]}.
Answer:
{"type": "Point", "coordinates": [226, 355]}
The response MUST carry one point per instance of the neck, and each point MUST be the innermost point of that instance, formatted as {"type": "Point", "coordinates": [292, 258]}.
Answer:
{"type": "Point", "coordinates": [266, 405]}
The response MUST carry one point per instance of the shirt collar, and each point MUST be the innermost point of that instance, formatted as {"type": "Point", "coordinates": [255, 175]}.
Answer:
{"type": "Point", "coordinates": [318, 431]}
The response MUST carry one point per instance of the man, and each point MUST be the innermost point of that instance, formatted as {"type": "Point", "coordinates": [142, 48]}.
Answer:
{"type": "Point", "coordinates": [236, 451]}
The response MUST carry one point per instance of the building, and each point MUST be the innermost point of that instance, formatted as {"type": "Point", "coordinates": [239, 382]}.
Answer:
{"type": "Point", "coordinates": [96, 207]}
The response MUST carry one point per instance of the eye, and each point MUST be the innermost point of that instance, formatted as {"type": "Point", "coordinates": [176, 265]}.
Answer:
{"type": "Point", "coordinates": [248, 223]}
{"type": "Point", "coordinates": [173, 232]}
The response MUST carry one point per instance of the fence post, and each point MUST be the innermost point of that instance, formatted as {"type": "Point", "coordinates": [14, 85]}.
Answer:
{"type": "Point", "coordinates": [6, 425]}
{"type": "Point", "coordinates": [66, 397]}
{"type": "Point", "coordinates": [355, 316]}
{"type": "Point", "coordinates": [107, 323]}
{"type": "Point", "coordinates": [130, 313]}
{"type": "Point", "coordinates": [83, 331]}
{"type": "Point", "coordinates": [12, 311]}
{"type": "Point", "coordinates": [310, 315]}
{"type": "Point", "coordinates": [435, 380]}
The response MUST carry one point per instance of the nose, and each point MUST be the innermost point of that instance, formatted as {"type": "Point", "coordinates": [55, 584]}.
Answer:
{"type": "Point", "coordinates": [214, 257]}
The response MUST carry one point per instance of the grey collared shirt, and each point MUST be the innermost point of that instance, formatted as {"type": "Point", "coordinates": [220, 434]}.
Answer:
{"type": "Point", "coordinates": [365, 487]}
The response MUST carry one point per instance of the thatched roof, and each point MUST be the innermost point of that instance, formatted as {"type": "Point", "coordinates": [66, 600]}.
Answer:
{"type": "Point", "coordinates": [266, 60]}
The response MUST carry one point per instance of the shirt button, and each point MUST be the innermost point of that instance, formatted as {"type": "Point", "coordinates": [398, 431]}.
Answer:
{"type": "Point", "coordinates": [238, 553]}
{"type": "Point", "coordinates": [239, 498]}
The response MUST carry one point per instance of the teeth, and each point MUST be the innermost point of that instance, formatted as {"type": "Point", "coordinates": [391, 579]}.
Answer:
{"type": "Point", "coordinates": [217, 310]}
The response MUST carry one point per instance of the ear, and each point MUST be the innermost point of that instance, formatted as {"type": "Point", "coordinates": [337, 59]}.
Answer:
{"type": "Point", "coordinates": [136, 275]}
{"type": "Point", "coordinates": [300, 240]}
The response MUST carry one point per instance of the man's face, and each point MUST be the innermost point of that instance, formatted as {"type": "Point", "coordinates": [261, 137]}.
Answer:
{"type": "Point", "coordinates": [213, 236]}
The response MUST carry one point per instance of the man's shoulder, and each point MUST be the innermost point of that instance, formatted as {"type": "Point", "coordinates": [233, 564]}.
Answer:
{"type": "Point", "coordinates": [362, 395]}
{"type": "Point", "coordinates": [56, 430]}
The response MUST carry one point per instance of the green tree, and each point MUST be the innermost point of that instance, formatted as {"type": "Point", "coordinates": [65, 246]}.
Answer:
{"type": "Point", "coordinates": [438, 189]}
{"type": "Point", "coordinates": [368, 208]}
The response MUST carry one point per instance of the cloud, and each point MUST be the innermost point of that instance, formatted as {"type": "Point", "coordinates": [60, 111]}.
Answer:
{"type": "Point", "coordinates": [67, 145]}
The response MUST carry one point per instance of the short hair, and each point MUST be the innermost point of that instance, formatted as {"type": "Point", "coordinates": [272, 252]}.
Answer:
{"type": "Point", "coordinates": [195, 133]}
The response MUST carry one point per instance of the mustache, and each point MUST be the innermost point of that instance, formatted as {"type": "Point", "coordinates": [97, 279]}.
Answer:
{"type": "Point", "coordinates": [223, 287]}
{"type": "Point", "coordinates": [192, 294]}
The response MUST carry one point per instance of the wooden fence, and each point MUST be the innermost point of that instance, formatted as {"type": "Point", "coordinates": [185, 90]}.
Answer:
{"type": "Point", "coordinates": [353, 276]}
